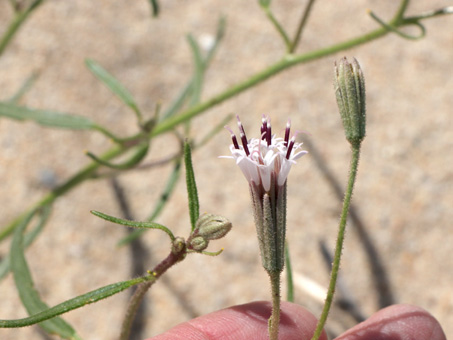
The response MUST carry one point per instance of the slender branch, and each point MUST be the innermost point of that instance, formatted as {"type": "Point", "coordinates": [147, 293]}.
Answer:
{"type": "Point", "coordinates": [281, 31]}
{"type": "Point", "coordinates": [340, 240]}
{"type": "Point", "coordinates": [400, 12]}
{"type": "Point", "coordinates": [17, 22]}
{"type": "Point", "coordinates": [301, 26]}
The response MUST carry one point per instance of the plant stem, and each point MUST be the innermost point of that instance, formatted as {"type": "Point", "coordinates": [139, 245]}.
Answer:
{"type": "Point", "coordinates": [177, 254]}
{"type": "Point", "coordinates": [301, 26]}
{"type": "Point", "coordinates": [340, 239]}
{"type": "Point", "coordinates": [278, 27]}
{"type": "Point", "coordinates": [132, 308]}
{"type": "Point", "coordinates": [274, 320]}
{"type": "Point", "coordinates": [17, 22]}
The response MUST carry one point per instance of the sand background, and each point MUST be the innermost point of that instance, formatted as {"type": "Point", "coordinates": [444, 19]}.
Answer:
{"type": "Point", "coordinates": [404, 193]}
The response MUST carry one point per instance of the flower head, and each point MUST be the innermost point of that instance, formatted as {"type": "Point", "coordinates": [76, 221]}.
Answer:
{"type": "Point", "coordinates": [265, 161]}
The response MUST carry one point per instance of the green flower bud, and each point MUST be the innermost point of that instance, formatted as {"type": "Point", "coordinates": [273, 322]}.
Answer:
{"type": "Point", "coordinates": [212, 227]}
{"type": "Point", "coordinates": [198, 243]}
{"type": "Point", "coordinates": [350, 91]}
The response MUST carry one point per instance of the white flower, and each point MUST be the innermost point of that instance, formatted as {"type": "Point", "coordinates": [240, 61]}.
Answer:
{"type": "Point", "coordinates": [268, 159]}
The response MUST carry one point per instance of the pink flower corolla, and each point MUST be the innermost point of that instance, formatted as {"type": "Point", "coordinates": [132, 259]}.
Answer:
{"type": "Point", "coordinates": [265, 161]}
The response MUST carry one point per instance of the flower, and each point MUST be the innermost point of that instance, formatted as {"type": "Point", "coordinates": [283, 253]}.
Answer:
{"type": "Point", "coordinates": [265, 163]}
{"type": "Point", "coordinates": [268, 159]}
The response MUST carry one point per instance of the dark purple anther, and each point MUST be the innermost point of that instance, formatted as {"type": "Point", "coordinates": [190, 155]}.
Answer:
{"type": "Point", "coordinates": [244, 143]}
{"type": "Point", "coordinates": [263, 128]}
{"type": "Point", "coordinates": [233, 138]}
{"type": "Point", "coordinates": [290, 147]}
{"type": "Point", "coordinates": [288, 128]}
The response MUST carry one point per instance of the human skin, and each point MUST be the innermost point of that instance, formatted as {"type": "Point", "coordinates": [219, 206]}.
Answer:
{"type": "Point", "coordinates": [249, 322]}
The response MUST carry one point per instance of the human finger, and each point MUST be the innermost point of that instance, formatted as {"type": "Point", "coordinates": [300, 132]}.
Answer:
{"type": "Point", "coordinates": [246, 322]}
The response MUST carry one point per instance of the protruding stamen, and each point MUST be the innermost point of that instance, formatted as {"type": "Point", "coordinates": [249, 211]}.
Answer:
{"type": "Point", "coordinates": [233, 137]}
{"type": "Point", "coordinates": [244, 143]}
{"type": "Point", "coordinates": [290, 146]}
{"type": "Point", "coordinates": [241, 127]}
{"type": "Point", "coordinates": [268, 132]}
{"type": "Point", "coordinates": [288, 128]}
{"type": "Point", "coordinates": [263, 128]}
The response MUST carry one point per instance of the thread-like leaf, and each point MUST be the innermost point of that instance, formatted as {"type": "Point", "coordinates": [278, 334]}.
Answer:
{"type": "Point", "coordinates": [75, 303]}
{"type": "Point", "coordinates": [163, 199]}
{"type": "Point", "coordinates": [192, 192]}
{"type": "Point", "coordinates": [44, 117]}
{"type": "Point", "coordinates": [114, 85]}
{"type": "Point", "coordinates": [133, 224]}
{"type": "Point", "coordinates": [25, 286]}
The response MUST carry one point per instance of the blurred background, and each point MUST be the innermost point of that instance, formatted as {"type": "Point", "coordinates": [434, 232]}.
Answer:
{"type": "Point", "coordinates": [398, 247]}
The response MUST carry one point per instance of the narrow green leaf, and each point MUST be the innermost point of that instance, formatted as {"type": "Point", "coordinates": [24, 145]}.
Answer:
{"type": "Point", "coordinates": [163, 199]}
{"type": "Point", "coordinates": [192, 192]}
{"type": "Point", "coordinates": [77, 302]}
{"type": "Point", "coordinates": [133, 224]}
{"type": "Point", "coordinates": [28, 239]}
{"type": "Point", "coordinates": [289, 275]}
{"type": "Point", "coordinates": [25, 286]}
{"type": "Point", "coordinates": [154, 7]}
{"type": "Point", "coordinates": [114, 85]}
{"type": "Point", "coordinates": [44, 117]}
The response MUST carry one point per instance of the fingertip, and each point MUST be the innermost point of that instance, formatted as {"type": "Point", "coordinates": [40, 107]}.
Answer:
{"type": "Point", "coordinates": [248, 321]}
{"type": "Point", "coordinates": [397, 322]}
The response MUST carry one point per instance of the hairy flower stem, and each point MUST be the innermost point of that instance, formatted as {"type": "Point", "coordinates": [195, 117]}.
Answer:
{"type": "Point", "coordinates": [177, 254]}
{"type": "Point", "coordinates": [340, 240]}
{"type": "Point", "coordinates": [132, 309]}
{"type": "Point", "coordinates": [274, 320]}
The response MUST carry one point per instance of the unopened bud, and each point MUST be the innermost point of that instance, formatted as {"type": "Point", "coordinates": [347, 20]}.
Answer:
{"type": "Point", "coordinates": [198, 243]}
{"type": "Point", "coordinates": [350, 91]}
{"type": "Point", "coordinates": [212, 227]}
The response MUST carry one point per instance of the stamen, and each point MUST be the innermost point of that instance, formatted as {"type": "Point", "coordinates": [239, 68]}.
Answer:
{"type": "Point", "coordinates": [241, 128]}
{"type": "Point", "coordinates": [233, 137]}
{"type": "Point", "coordinates": [244, 143]}
{"type": "Point", "coordinates": [288, 128]}
{"type": "Point", "coordinates": [290, 146]}
{"type": "Point", "coordinates": [268, 132]}
{"type": "Point", "coordinates": [263, 128]}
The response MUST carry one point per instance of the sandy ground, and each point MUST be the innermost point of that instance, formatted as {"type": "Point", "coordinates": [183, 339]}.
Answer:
{"type": "Point", "coordinates": [404, 192]}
